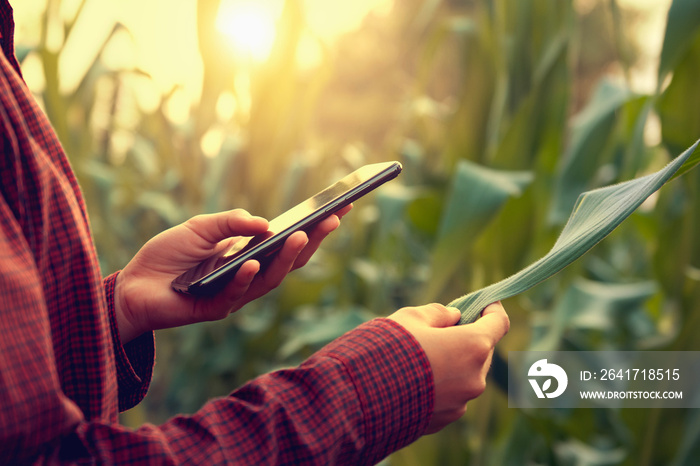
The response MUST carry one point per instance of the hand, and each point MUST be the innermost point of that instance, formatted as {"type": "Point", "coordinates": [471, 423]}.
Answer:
{"type": "Point", "coordinates": [145, 301]}
{"type": "Point", "coordinates": [460, 356]}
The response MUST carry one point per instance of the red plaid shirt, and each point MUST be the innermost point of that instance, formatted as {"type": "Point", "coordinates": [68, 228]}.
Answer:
{"type": "Point", "coordinates": [64, 375]}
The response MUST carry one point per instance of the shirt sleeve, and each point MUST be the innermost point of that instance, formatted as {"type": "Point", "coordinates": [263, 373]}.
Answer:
{"type": "Point", "coordinates": [356, 401]}
{"type": "Point", "coordinates": [134, 361]}
{"type": "Point", "coordinates": [359, 399]}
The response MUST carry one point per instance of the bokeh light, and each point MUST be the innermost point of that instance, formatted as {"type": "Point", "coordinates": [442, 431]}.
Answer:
{"type": "Point", "coordinates": [250, 26]}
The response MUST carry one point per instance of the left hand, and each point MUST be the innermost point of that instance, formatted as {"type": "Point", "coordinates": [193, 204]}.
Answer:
{"type": "Point", "coordinates": [144, 300]}
{"type": "Point", "coordinates": [459, 355]}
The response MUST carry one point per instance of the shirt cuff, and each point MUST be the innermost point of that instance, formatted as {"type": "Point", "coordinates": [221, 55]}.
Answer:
{"type": "Point", "coordinates": [134, 361]}
{"type": "Point", "coordinates": [393, 382]}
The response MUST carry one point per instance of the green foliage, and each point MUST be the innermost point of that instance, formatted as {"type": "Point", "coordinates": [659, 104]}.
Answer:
{"type": "Point", "coordinates": [502, 114]}
{"type": "Point", "coordinates": [594, 216]}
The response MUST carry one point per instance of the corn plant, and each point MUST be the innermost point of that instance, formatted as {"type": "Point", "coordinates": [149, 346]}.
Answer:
{"type": "Point", "coordinates": [502, 114]}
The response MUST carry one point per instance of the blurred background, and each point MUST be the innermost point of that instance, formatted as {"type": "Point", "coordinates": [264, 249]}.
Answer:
{"type": "Point", "coordinates": [171, 109]}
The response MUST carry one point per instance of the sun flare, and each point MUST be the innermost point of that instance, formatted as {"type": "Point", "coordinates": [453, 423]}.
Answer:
{"type": "Point", "coordinates": [250, 26]}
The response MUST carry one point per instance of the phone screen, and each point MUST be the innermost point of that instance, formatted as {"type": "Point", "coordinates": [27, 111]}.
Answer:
{"type": "Point", "coordinates": [209, 275]}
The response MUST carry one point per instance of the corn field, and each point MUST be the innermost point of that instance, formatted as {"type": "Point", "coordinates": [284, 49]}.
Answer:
{"type": "Point", "coordinates": [501, 112]}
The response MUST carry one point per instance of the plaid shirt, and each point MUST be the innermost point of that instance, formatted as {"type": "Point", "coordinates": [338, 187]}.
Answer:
{"type": "Point", "coordinates": [64, 375]}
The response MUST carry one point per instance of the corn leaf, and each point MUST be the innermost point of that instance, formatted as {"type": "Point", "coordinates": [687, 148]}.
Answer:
{"type": "Point", "coordinates": [595, 215]}
{"type": "Point", "coordinates": [678, 105]}
{"type": "Point", "coordinates": [683, 22]}
{"type": "Point", "coordinates": [607, 308]}
{"type": "Point", "coordinates": [477, 195]}
{"type": "Point", "coordinates": [592, 131]}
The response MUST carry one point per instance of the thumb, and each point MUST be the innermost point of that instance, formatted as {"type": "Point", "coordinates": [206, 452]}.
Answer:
{"type": "Point", "coordinates": [213, 228]}
{"type": "Point", "coordinates": [439, 316]}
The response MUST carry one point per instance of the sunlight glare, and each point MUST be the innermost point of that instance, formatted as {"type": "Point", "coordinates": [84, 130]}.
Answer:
{"type": "Point", "coordinates": [250, 26]}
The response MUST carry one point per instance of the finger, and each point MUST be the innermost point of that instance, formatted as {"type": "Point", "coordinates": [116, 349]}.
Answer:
{"type": "Point", "coordinates": [439, 316]}
{"type": "Point", "coordinates": [225, 301]}
{"type": "Point", "coordinates": [341, 213]}
{"type": "Point", "coordinates": [324, 227]}
{"type": "Point", "coordinates": [316, 237]}
{"type": "Point", "coordinates": [243, 278]}
{"type": "Point", "coordinates": [327, 225]}
{"type": "Point", "coordinates": [284, 259]}
{"type": "Point", "coordinates": [494, 321]}
{"type": "Point", "coordinates": [219, 226]}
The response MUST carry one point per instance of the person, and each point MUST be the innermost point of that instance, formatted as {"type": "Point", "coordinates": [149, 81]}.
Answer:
{"type": "Point", "coordinates": [75, 349]}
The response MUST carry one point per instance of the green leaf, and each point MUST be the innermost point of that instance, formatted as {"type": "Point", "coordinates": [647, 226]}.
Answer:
{"type": "Point", "coordinates": [678, 105]}
{"type": "Point", "coordinates": [689, 164]}
{"type": "Point", "coordinates": [689, 450]}
{"type": "Point", "coordinates": [392, 203]}
{"type": "Point", "coordinates": [162, 204]}
{"type": "Point", "coordinates": [425, 211]}
{"type": "Point", "coordinates": [592, 131]}
{"type": "Point", "coordinates": [322, 331]}
{"type": "Point", "coordinates": [595, 215]}
{"type": "Point", "coordinates": [477, 195]}
{"type": "Point", "coordinates": [605, 307]}
{"type": "Point", "coordinates": [682, 24]}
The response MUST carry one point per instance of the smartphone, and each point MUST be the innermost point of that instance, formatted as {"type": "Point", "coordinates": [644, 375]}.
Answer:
{"type": "Point", "coordinates": [211, 275]}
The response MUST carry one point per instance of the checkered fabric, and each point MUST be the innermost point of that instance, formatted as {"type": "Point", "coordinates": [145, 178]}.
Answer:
{"type": "Point", "coordinates": [64, 375]}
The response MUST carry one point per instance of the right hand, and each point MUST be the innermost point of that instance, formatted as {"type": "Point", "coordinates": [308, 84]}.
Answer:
{"type": "Point", "coordinates": [460, 356]}
{"type": "Point", "coordinates": [144, 300]}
